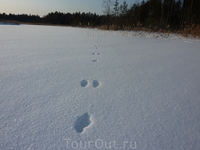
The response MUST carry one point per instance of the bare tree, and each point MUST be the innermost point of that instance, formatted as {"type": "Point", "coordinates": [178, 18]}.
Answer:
{"type": "Point", "coordinates": [123, 8]}
{"type": "Point", "coordinates": [107, 4]}
{"type": "Point", "coordinates": [116, 8]}
{"type": "Point", "coordinates": [107, 10]}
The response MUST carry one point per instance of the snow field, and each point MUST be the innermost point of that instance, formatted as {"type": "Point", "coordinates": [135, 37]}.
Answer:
{"type": "Point", "coordinates": [73, 88]}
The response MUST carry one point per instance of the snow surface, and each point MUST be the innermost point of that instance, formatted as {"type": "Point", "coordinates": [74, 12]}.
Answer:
{"type": "Point", "coordinates": [72, 88]}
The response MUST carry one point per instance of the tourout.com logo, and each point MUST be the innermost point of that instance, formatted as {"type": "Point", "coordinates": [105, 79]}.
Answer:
{"type": "Point", "coordinates": [100, 144]}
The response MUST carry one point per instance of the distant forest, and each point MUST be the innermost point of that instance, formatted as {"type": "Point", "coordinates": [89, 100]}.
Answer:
{"type": "Point", "coordinates": [153, 15]}
{"type": "Point", "coordinates": [57, 18]}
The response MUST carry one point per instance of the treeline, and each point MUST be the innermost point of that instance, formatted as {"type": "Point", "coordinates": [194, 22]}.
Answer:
{"type": "Point", "coordinates": [20, 18]}
{"type": "Point", "coordinates": [156, 14]}
{"type": "Point", "coordinates": [58, 18]}
{"type": "Point", "coordinates": [75, 19]}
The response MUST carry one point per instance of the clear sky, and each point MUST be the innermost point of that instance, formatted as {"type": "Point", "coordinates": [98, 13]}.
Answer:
{"type": "Point", "coordinates": [43, 7]}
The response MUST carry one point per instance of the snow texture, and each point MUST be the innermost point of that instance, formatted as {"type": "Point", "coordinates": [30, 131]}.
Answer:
{"type": "Point", "coordinates": [75, 88]}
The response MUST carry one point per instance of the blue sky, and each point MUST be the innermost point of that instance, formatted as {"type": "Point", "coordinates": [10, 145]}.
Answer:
{"type": "Point", "coordinates": [43, 7]}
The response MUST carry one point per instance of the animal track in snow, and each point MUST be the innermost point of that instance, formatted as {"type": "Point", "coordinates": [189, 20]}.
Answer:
{"type": "Point", "coordinates": [82, 122]}
{"type": "Point", "coordinates": [95, 83]}
{"type": "Point", "coordinates": [94, 60]}
{"type": "Point", "coordinates": [96, 53]}
{"type": "Point", "coordinates": [97, 46]}
{"type": "Point", "coordinates": [84, 83]}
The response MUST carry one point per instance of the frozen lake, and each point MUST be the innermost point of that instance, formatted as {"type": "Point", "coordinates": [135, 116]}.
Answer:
{"type": "Point", "coordinates": [75, 88]}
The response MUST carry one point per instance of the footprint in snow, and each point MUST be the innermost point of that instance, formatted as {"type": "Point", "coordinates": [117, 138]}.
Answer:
{"type": "Point", "coordinates": [96, 53]}
{"type": "Point", "coordinates": [84, 83]}
{"type": "Point", "coordinates": [97, 46]}
{"type": "Point", "coordinates": [95, 83]}
{"type": "Point", "coordinates": [82, 122]}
